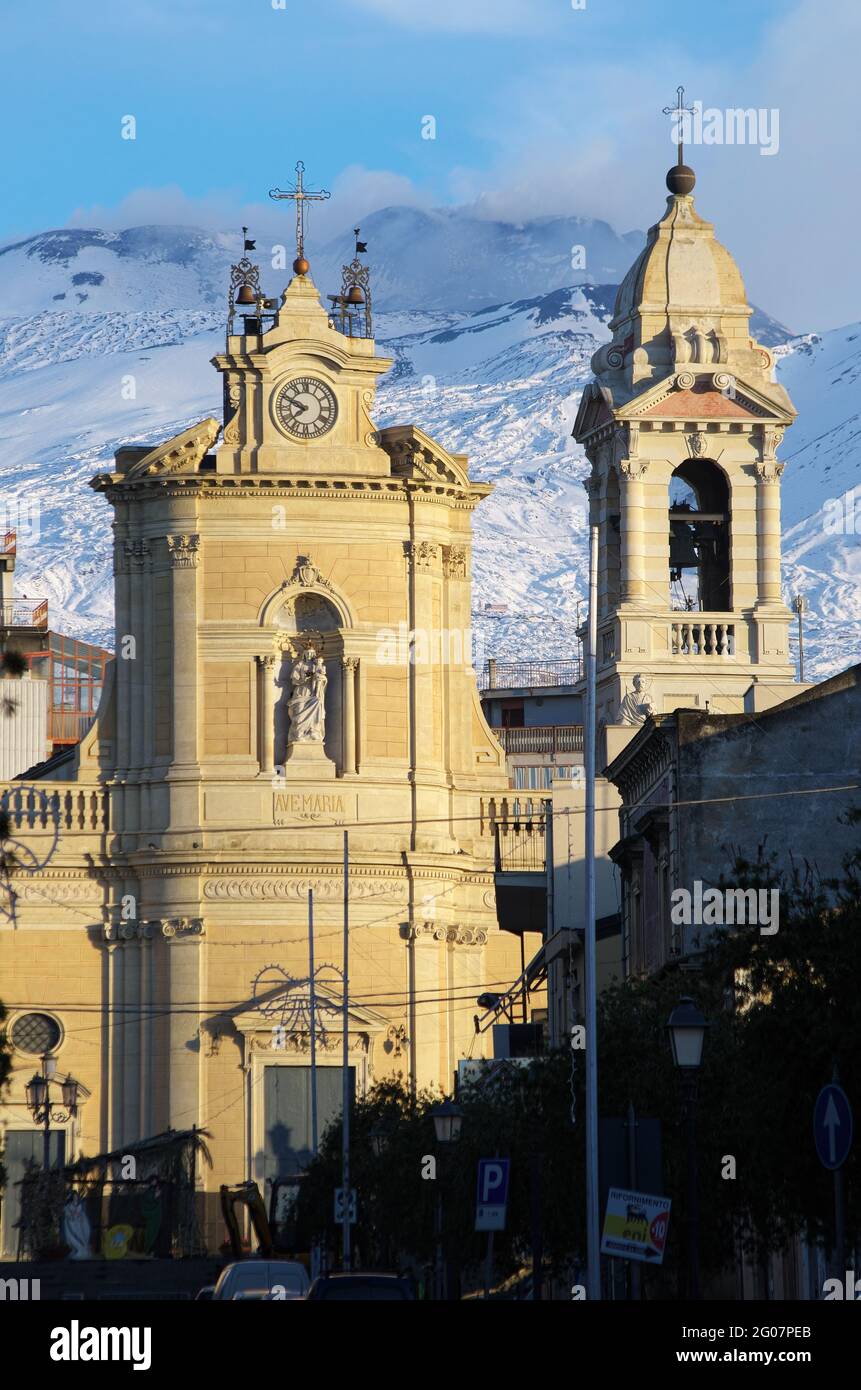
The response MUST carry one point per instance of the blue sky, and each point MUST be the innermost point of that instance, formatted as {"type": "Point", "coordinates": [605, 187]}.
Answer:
{"type": "Point", "coordinates": [540, 108]}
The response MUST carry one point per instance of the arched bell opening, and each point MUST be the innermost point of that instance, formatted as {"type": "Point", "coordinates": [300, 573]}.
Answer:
{"type": "Point", "coordinates": [699, 525]}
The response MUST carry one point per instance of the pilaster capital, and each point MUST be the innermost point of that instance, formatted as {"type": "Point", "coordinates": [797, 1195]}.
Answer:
{"type": "Point", "coordinates": [769, 472]}
{"type": "Point", "coordinates": [422, 556]}
{"type": "Point", "coordinates": [183, 551]}
{"type": "Point", "coordinates": [455, 561]}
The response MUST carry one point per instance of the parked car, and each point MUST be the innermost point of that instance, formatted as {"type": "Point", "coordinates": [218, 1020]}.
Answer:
{"type": "Point", "coordinates": [263, 1279]}
{"type": "Point", "coordinates": [371, 1287]}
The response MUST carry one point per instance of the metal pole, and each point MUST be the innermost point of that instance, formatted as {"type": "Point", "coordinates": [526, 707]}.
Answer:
{"type": "Point", "coordinates": [839, 1203]}
{"type": "Point", "coordinates": [634, 1184]}
{"type": "Point", "coordinates": [593, 1244]}
{"type": "Point", "coordinates": [313, 1022]}
{"type": "Point", "coordinates": [345, 1168]}
{"type": "Point", "coordinates": [46, 1134]}
{"type": "Point", "coordinates": [689, 1084]}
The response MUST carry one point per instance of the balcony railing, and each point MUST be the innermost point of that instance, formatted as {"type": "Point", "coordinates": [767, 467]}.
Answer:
{"type": "Point", "coordinates": [23, 613]}
{"type": "Point", "coordinates": [552, 739]}
{"type": "Point", "coordinates": [517, 675]}
{"type": "Point", "coordinates": [519, 833]}
{"type": "Point", "coordinates": [50, 807]}
{"type": "Point", "coordinates": [698, 637]}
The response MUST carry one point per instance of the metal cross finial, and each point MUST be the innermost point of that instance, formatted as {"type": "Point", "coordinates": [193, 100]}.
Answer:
{"type": "Point", "coordinates": [679, 111]}
{"type": "Point", "coordinates": [300, 196]}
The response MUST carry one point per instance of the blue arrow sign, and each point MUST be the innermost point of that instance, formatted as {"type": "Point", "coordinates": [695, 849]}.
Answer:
{"type": "Point", "coordinates": [832, 1126]}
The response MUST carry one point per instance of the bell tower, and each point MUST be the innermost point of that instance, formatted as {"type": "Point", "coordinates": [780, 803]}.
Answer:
{"type": "Point", "coordinates": [682, 424]}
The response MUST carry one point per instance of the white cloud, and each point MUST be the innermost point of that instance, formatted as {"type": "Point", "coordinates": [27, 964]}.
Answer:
{"type": "Point", "coordinates": [356, 191]}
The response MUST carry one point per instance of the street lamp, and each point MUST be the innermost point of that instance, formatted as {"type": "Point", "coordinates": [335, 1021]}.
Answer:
{"type": "Point", "coordinates": [447, 1122]}
{"type": "Point", "coordinates": [41, 1107]}
{"type": "Point", "coordinates": [687, 1029]}
{"type": "Point", "coordinates": [380, 1137]}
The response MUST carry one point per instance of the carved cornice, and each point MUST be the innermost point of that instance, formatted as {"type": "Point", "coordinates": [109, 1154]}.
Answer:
{"type": "Point", "coordinates": [327, 1041]}
{"type": "Point", "coordinates": [296, 889]}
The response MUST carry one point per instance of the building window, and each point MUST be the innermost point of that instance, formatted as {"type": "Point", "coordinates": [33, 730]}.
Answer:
{"type": "Point", "coordinates": [36, 1033]}
{"type": "Point", "coordinates": [541, 777]}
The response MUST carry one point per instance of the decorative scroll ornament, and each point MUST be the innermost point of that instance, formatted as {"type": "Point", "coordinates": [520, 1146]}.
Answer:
{"type": "Point", "coordinates": [244, 286]}
{"type": "Point", "coordinates": [685, 380]}
{"type": "Point", "coordinates": [306, 573]}
{"type": "Point", "coordinates": [351, 309]}
{"type": "Point", "coordinates": [285, 1002]}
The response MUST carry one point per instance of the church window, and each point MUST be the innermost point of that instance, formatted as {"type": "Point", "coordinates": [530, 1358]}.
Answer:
{"type": "Point", "coordinates": [36, 1033]}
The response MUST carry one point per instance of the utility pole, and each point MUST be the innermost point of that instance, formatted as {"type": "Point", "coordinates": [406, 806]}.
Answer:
{"type": "Point", "coordinates": [345, 1128]}
{"type": "Point", "coordinates": [313, 1021]}
{"type": "Point", "coordinates": [799, 603]}
{"type": "Point", "coordinates": [593, 1244]}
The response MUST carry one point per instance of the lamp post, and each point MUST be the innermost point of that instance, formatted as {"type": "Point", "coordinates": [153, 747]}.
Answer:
{"type": "Point", "coordinates": [447, 1122]}
{"type": "Point", "coordinates": [687, 1029]}
{"type": "Point", "coordinates": [41, 1107]}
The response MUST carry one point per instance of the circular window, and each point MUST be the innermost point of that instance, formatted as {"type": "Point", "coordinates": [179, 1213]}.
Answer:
{"type": "Point", "coordinates": [39, 1033]}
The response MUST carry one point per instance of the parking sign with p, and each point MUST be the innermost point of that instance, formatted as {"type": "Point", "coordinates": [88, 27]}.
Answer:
{"type": "Point", "coordinates": [492, 1194]}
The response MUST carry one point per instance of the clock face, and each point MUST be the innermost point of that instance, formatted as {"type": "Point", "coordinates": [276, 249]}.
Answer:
{"type": "Point", "coordinates": [306, 408]}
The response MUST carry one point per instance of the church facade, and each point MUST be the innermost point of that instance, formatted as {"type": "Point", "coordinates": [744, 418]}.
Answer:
{"type": "Point", "coordinates": [292, 708]}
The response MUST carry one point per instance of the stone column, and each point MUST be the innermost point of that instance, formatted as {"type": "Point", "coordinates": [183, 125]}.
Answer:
{"type": "Point", "coordinates": [130, 1023]}
{"type": "Point", "coordinates": [349, 676]}
{"type": "Point", "coordinates": [268, 698]}
{"type": "Point", "coordinates": [121, 590]}
{"type": "Point", "coordinates": [184, 552]}
{"type": "Point", "coordinates": [116, 1034]}
{"type": "Point", "coordinates": [768, 531]}
{"type": "Point", "coordinates": [631, 490]}
{"type": "Point", "coordinates": [138, 556]}
{"type": "Point", "coordinates": [183, 936]}
{"type": "Point", "coordinates": [146, 1038]}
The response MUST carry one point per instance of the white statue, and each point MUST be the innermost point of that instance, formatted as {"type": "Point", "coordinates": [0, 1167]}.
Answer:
{"type": "Point", "coordinates": [77, 1231]}
{"type": "Point", "coordinates": [307, 704]}
{"type": "Point", "coordinates": [637, 705]}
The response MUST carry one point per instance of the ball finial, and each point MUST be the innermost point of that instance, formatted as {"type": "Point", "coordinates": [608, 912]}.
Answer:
{"type": "Point", "coordinates": [680, 180]}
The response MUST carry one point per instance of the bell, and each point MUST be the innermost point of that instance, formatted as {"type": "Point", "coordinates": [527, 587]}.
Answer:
{"type": "Point", "coordinates": [683, 554]}
{"type": "Point", "coordinates": [355, 295]}
{"type": "Point", "coordinates": [246, 295]}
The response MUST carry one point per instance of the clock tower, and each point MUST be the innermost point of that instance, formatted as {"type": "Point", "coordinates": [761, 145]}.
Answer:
{"type": "Point", "coordinates": [295, 600]}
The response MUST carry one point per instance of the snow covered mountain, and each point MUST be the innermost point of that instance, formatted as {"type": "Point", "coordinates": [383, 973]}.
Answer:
{"type": "Point", "coordinates": [105, 338]}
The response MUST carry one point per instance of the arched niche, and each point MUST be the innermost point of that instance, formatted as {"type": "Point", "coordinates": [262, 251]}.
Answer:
{"type": "Point", "coordinates": [699, 534]}
{"type": "Point", "coordinates": [308, 619]}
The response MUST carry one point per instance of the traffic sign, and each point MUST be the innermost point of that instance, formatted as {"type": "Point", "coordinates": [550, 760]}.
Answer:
{"type": "Point", "coordinates": [492, 1194]}
{"type": "Point", "coordinates": [635, 1226]}
{"type": "Point", "coordinates": [832, 1126]}
{"type": "Point", "coordinates": [339, 1205]}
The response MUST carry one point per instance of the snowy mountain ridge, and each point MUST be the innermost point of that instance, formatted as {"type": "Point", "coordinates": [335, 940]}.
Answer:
{"type": "Point", "coordinates": [106, 338]}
